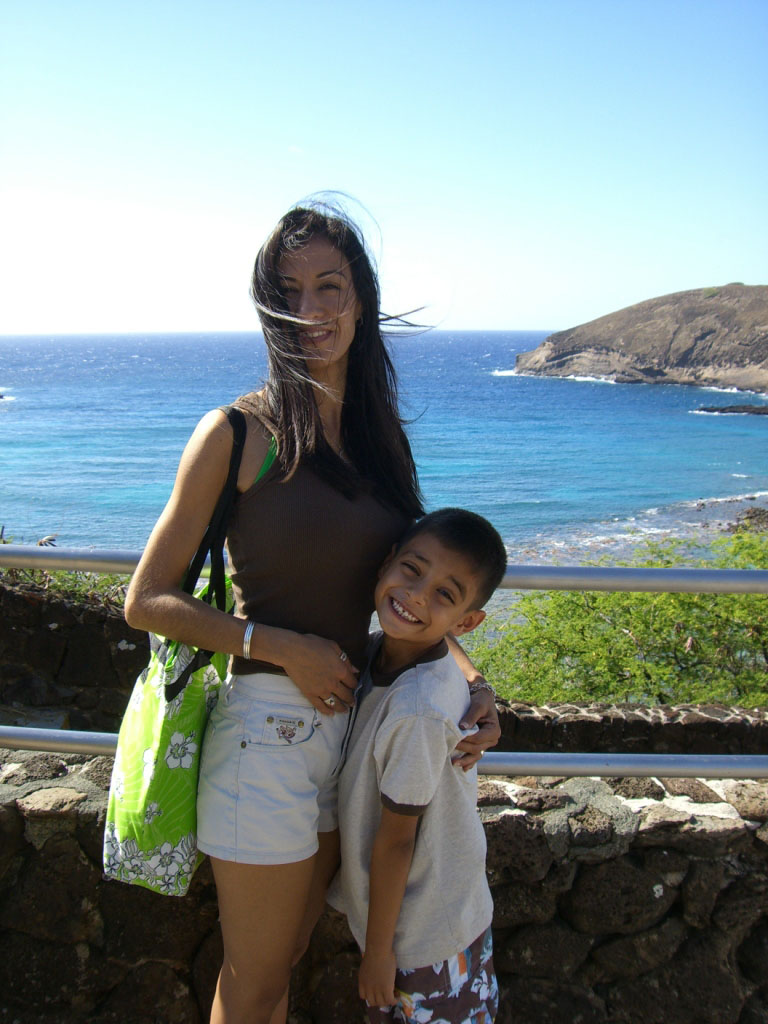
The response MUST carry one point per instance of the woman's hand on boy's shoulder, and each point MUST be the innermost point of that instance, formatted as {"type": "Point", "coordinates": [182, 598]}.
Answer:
{"type": "Point", "coordinates": [481, 712]}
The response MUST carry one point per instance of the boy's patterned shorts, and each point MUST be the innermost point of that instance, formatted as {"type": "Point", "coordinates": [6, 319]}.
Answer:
{"type": "Point", "coordinates": [460, 990]}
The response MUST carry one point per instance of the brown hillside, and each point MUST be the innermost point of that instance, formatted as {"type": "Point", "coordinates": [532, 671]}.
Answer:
{"type": "Point", "coordinates": [708, 336]}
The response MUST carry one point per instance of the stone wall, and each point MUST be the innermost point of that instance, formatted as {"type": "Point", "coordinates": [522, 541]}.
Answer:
{"type": "Point", "coordinates": [635, 901]}
{"type": "Point", "coordinates": [70, 665]}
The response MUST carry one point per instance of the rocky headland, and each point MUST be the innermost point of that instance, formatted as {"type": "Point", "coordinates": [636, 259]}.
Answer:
{"type": "Point", "coordinates": [716, 337]}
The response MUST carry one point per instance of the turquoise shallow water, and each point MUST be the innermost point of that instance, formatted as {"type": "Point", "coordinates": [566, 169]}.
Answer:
{"type": "Point", "coordinates": [91, 429]}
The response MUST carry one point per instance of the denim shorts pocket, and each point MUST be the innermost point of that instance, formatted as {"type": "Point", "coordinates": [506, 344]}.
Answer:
{"type": "Point", "coordinates": [278, 724]}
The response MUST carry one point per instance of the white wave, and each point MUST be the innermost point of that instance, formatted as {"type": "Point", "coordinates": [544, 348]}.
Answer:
{"type": "Point", "coordinates": [591, 380]}
{"type": "Point", "coordinates": [733, 391]}
{"type": "Point", "coordinates": [6, 398]}
{"type": "Point", "coordinates": [506, 373]}
{"type": "Point", "coordinates": [741, 476]}
{"type": "Point", "coordinates": [725, 391]}
{"type": "Point", "coordinates": [703, 502]}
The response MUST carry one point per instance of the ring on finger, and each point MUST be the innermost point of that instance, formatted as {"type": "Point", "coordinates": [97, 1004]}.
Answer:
{"type": "Point", "coordinates": [343, 655]}
{"type": "Point", "coordinates": [330, 701]}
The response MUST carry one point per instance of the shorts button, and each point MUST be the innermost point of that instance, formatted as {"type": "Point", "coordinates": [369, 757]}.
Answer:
{"type": "Point", "coordinates": [243, 744]}
{"type": "Point", "coordinates": [270, 719]}
{"type": "Point", "coordinates": [301, 724]}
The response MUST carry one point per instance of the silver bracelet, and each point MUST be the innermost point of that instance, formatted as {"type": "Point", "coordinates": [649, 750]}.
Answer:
{"type": "Point", "coordinates": [250, 626]}
{"type": "Point", "coordinates": [477, 686]}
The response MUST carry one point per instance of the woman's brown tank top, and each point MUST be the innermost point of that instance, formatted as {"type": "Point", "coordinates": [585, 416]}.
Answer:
{"type": "Point", "coordinates": [306, 558]}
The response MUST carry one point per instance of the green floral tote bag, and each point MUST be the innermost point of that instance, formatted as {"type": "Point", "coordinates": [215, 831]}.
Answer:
{"type": "Point", "coordinates": [150, 832]}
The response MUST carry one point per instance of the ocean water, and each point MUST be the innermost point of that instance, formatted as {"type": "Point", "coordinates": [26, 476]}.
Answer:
{"type": "Point", "coordinates": [91, 429]}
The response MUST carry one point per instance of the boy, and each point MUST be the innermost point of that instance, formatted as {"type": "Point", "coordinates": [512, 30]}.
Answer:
{"type": "Point", "coordinates": [412, 881]}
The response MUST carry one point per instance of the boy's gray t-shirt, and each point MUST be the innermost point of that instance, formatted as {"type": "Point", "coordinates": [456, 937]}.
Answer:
{"type": "Point", "coordinates": [400, 754]}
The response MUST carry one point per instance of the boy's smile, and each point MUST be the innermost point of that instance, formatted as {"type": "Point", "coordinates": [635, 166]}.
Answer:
{"type": "Point", "coordinates": [425, 591]}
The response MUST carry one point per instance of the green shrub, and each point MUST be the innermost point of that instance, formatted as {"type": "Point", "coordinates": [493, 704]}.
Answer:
{"type": "Point", "coordinates": [74, 586]}
{"type": "Point", "coordinates": [654, 648]}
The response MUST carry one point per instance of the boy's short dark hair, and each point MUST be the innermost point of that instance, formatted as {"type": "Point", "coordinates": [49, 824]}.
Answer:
{"type": "Point", "coordinates": [472, 536]}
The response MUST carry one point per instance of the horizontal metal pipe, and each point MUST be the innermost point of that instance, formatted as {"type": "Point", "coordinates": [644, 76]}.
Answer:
{"type": "Point", "coordinates": [517, 577]}
{"type": "Point", "coordinates": [685, 766]}
{"type": "Point", "coordinates": [687, 581]}
{"type": "Point", "coordinates": [60, 741]}
{"type": "Point", "coordinates": [22, 556]}
{"type": "Point", "coordinates": [705, 766]}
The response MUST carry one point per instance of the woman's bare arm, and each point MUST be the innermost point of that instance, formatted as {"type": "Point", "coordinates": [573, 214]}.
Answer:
{"type": "Point", "coordinates": [156, 602]}
{"type": "Point", "coordinates": [481, 711]}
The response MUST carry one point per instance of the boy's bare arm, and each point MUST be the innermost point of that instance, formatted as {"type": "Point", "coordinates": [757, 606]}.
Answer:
{"type": "Point", "coordinates": [390, 863]}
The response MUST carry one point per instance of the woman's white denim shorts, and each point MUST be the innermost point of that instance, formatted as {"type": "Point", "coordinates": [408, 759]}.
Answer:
{"type": "Point", "coordinates": [268, 774]}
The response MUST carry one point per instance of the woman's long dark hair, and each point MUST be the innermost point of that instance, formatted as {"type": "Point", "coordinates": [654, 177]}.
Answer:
{"type": "Point", "coordinates": [374, 442]}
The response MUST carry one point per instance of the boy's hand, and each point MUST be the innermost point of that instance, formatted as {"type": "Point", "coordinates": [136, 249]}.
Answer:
{"type": "Point", "coordinates": [376, 981]}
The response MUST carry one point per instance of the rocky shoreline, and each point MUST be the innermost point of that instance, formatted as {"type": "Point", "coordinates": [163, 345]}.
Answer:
{"type": "Point", "coordinates": [746, 410]}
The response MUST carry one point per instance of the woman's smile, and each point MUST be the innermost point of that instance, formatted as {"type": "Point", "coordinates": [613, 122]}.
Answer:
{"type": "Point", "coordinates": [318, 289]}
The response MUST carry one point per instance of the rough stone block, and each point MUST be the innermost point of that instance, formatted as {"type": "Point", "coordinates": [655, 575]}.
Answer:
{"type": "Point", "coordinates": [36, 767]}
{"type": "Point", "coordinates": [616, 896]}
{"type": "Point", "coordinates": [752, 955]}
{"type": "Point", "coordinates": [517, 846]}
{"type": "Point", "coordinates": [701, 889]}
{"type": "Point", "coordinates": [633, 788]}
{"type": "Point", "coordinates": [40, 976]}
{"type": "Point", "coordinates": [697, 791]}
{"type": "Point", "coordinates": [552, 951]}
{"type": "Point", "coordinates": [149, 993]}
{"type": "Point", "coordinates": [493, 792]}
{"type": "Point", "coordinates": [49, 813]}
{"type": "Point", "coordinates": [637, 954]}
{"type": "Point", "coordinates": [691, 832]}
{"type": "Point", "coordinates": [605, 825]}
{"type": "Point", "coordinates": [698, 987]}
{"type": "Point", "coordinates": [670, 864]}
{"type": "Point", "coordinates": [11, 838]}
{"type": "Point", "coordinates": [98, 770]}
{"type": "Point", "coordinates": [177, 926]}
{"type": "Point", "coordinates": [533, 1001]}
{"type": "Point", "coordinates": [750, 798]}
{"type": "Point", "coordinates": [755, 1009]}
{"type": "Point", "coordinates": [87, 662]}
{"type": "Point", "coordinates": [518, 904]}
{"type": "Point", "coordinates": [591, 827]}
{"type": "Point", "coordinates": [741, 905]}
{"type": "Point", "coordinates": [114, 703]}
{"type": "Point", "coordinates": [331, 936]}
{"type": "Point", "coordinates": [540, 799]}
{"type": "Point", "coordinates": [56, 898]}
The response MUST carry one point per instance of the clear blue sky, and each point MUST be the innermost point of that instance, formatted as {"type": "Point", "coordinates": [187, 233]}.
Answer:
{"type": "Point", "coordinates": [530, 163]}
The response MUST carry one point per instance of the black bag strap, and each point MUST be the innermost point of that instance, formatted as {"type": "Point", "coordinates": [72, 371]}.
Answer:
{"type": "Point", "coordinates": [215, 535]}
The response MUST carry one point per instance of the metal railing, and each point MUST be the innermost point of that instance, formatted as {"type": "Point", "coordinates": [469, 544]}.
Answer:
{"type": "Point", "coordinates": [518, 577]}
{"type": "Point", "coordinates": [706, 766]}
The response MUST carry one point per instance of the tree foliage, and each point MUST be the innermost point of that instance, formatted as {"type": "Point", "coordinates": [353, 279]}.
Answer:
{"type": "Point", "coordinates": [654, 648]}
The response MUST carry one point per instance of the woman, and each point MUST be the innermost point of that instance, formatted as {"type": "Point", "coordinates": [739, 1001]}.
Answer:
{"type": "Point", "coordinates": [305, 544]}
